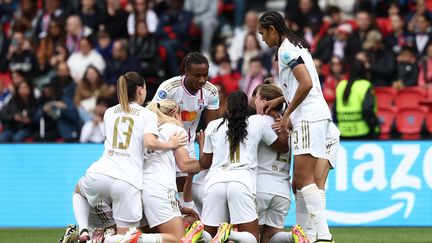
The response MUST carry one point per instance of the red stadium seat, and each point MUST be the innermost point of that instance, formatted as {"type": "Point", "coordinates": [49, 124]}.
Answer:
{"type": "Point", "coordinates": [410, 97]}
{"type": "Point", "coordinates": [386, 116]}
{"type": "Point", "coordinates": [429, 122]}
{"type": "Point", "coordinates": [385, 96]}
{"type": "Point", "coordinates": [410, 120]}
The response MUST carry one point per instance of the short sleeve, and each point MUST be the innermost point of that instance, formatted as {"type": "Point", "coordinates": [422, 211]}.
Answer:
{"type": "Point", "coordinates": [208, 146]}
{"type": "Point", "coordinates": [268, 135]}
{"type": "Point", "coordinates": [161, 94]}
{"type": "Point", "coordinates": [151, 123]}
{"type": "Point", "coordinates": [289, 55]}
{"type": "Point", "coordinates": [213, 103]}
{"type": "Point", "coordinates": [167, 130]}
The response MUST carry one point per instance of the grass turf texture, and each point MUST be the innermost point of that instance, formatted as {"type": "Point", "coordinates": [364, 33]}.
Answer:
{"type": "Point", "coordinates": [341, 235]}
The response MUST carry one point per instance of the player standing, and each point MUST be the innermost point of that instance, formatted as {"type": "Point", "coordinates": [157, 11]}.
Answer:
{"type": "Point", "coordinates": [307, 111]}
{"type": "Point", "coordinates": [192, 93]}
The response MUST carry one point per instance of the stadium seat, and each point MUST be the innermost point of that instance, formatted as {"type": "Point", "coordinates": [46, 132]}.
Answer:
{"type": "Point", "coordinates": [386, 116]}
{"type": "Point", "coordinates": [429, 122]}
{"type": "Point", "coordinates": [409, 120]}
{"type": "Point", "coordinates": [385, 96]}
{"type": "Point", "coordinates": [410, 97]}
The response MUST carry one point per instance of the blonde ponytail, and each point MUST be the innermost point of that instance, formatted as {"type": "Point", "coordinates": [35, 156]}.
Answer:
{"type": "Point", "coordinates": [122, 93]}
{"type": "Point", "coordinates": [163, 110]}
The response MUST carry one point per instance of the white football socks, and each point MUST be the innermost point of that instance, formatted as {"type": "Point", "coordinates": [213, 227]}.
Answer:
{"type": "Point", "coordinates": [315, 206]}
{"type": "Point", "coordinates": [81, 209]}
{"type": "Point", "coordinates": [244, 237]}
{"type": "Point", "coordinates": [282, 237]}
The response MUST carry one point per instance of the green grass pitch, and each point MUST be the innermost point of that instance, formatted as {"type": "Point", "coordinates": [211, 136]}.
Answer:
{"type": "Point", "coordinates": [341, 235]}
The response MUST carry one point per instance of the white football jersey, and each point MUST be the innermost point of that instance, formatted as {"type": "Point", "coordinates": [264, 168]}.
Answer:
{"type": "Point", "coordinates": [273, 173]}
{"type": "Point", "coordinates": [124, 143]}
{"type": "Point", "coordinates": [160, 166]}
{"type": "Point", "coordinates": [242, 165]}
{"type": "Point", "coordinates": [191, 106]}
{"type": "Point", "coordinates": [313, 107]}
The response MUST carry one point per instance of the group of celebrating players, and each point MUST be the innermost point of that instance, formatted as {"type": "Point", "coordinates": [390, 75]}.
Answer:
{"type": "Point", "coordinates": [149, 187]}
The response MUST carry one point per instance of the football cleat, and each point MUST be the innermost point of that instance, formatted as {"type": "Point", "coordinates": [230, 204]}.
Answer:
{"type": "Point", "coordinates": [298, 234]}
{"type": "Point", "coordinates": [132, 236]}
{"type": "Point", "coordinates": [194, 233]}
{"type": "Point", "coordinates": [70, 234]}
{"type": "Point", "coordinates": [223, 233]}
{"type": "Point", "coordinates": [84, 236]}
{"type": "Point", "coordinates": [98, 236]}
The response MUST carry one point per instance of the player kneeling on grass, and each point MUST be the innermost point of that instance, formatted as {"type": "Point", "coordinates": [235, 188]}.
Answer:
{"type": "Point", "coordinates": [230, 153]}
{"type": "Point", "coordinates": [117, 176]}
{"type": "Point", "coordinates": [273, 180]}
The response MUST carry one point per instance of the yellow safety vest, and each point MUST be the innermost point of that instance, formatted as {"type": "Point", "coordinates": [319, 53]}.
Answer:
{"type": "Point", "coordinates": [349, 115]}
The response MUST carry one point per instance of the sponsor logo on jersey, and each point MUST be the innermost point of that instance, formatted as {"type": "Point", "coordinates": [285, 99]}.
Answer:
{"type": "Point", "coordinates": [189, 115]}
{"type": "Point", "coordinates": [162, 94]}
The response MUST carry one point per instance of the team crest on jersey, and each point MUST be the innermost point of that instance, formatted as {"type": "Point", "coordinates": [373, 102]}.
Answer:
{"type": "Point", "coordinates": [286, 57]}
{"type": "Point", "coordinates": [200, 103]}
{"type": "Point", "coordinates": [162, 94]}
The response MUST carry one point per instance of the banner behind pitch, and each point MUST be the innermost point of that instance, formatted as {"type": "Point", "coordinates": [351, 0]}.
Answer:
{"type": "Point", "coordinates": [375, 184]}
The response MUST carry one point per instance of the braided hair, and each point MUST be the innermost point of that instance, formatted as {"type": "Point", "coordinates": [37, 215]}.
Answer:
{"type": "Point", "coordinates": [192, 58]}
{"type": "Point", "coordinates": [236, 115]}
{"type": "Point", "coordinates": [275, 19]}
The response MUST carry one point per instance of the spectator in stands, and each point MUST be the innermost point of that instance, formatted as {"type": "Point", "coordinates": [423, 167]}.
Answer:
{"type": "Point", "coordinates": [56, 116]}
{"type": "Point", "coordinates": [4, 44]}
{"type": "Point", "coordinates": [75, 31]}
{"type": "Point", "coordinates": [425, 68]}
{"type": "Point", "coordinates": [319, 68]}
{"type": "Point", "coordinates": [142, 11]}
{"type": "Point", "coordinates": [21, 56]}
{"type": "Point", "coordinates": [145, 47]}
{"type": "Point", "coordinates": [380, 61]}
{"type": "Point", "coordinates": [422, 35]}
{"type": "Point", "coordinates": [336, 74]}
{"type": "Point", "coordinates": [226, 77]}
{"type": "Point", "coordinates": [51, 45]}
{"type": "Point", "coordinates": [5, 94]}
{"type": "Point", "coordinates": [218, 53]}
{"type": "Point", "coordinates": [357, 38]}
{"type": "Point", "coordinates": [80, 60]}
{"type": "Point", "coordinates": [399, 36]}
{"type": "Point", "coordinates": [334, 43]}
{"type": "Point", "coordinates": [237, 44]}
{"type": "Point", "coordinates": [420, 9]}
{"type": "Point", "coordinates": [104, 44]}
{"type": "Point", "coordinates": [89, 89]}
{"type": "Point", "coordinates": [355, 107]}
{"type": "Point", "coordinates": [16, 78]}
{"type": "Point", "coordinates": [407, 69]}
{"type": "Point", "coordinates": [120, 62]}
{"type": "Point", "coordinates": [25, 18]}
{"type": "Point", "coordinates": [63, 81]}
{"type": "Point", "coordinates": [204, 16]}
{"type": "Point", "coordinates": [52, 10]}
{"type": "Point", "coordinates": [17, 115]}
{"type": "Point", "coordinates": [255, 76]}
{"type": "Point", "coordinates": [173, 33]}
{"type": "Point", "coordinates": [7, 8]}
{"type": "Point", "coordinates": [303, 11]}
{"type": "Point", "coordinates": [90, 15]}
{"type": "Point", "coordinates": [252, 49]}
{"type": "Point", "coordinates": [115, 22]}
{"type": "Point", "coordinates": [93, 130]}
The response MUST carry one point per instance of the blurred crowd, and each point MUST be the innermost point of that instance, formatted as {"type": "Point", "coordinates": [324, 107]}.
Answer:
{"type": "Point", "coordinates": [59, 60]}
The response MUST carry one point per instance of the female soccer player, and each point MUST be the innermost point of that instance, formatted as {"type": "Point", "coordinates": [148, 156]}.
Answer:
{"type": "Point", "coordinates": [159, 188]}
{"type": "Point", "coordinates": [117, 176]}
{"type": "Point", "coordinates": [307, 111]}
{"type": "Point", "coordinates": [230, 153]}
{"type": "Point", "coordinates": [192, 93]}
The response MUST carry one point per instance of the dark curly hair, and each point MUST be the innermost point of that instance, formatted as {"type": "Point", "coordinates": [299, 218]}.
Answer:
{"type": "Point", "coordinates": [236, 115]}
